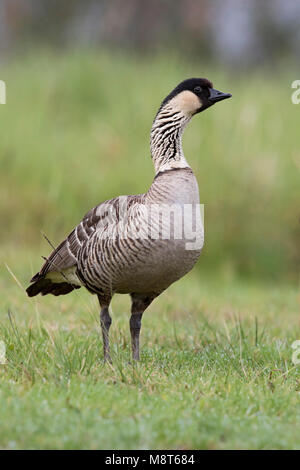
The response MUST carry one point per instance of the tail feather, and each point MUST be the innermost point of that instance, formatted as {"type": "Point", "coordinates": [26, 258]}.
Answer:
{"type": "Point", "coordinates": [46, 286]}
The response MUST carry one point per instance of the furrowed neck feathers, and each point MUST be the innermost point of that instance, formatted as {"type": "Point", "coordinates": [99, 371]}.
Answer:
{"type": "Point", "coordinates": [166, 138]}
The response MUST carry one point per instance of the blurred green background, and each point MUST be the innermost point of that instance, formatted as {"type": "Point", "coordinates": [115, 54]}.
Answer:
{"type": "Point", "coordinates": [83, 86]}
{"type": "Point", "coordinates": [84, 80]}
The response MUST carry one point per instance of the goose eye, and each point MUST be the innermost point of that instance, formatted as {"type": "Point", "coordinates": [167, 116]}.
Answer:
{"type": "Point", "coordinates": [197, 89]}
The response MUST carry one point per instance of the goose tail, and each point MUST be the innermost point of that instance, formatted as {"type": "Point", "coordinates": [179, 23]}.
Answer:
{"type": "Point", "coordinates": [47, 286]}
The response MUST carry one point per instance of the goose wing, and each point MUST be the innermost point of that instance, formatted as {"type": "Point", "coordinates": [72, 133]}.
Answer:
{"type": "Point", "coordinates": [55, 275]}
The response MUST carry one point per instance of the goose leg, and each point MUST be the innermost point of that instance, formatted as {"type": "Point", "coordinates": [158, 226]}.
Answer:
{"type": "Point", "coordinates": [135, 328]}
{"type": "Point", "coordinates": [105, 322]}
{"type": "Point", "coordinates": [139, 304]}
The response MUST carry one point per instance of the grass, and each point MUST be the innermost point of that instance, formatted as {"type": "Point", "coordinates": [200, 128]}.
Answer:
{"type": "Point", "coordinates": [215, 373]}
{"type": "Point", "coordinates": [216, 369]}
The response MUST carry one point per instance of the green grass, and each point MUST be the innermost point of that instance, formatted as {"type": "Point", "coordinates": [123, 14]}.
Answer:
{"type": "Point", "coordinates": [215, 373]}
{"type": "Point", "coordinates": [216, 368]}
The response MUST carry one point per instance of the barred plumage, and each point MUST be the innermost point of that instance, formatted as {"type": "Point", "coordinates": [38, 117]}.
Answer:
{"type": "Point", "coordinates": [130, 244]}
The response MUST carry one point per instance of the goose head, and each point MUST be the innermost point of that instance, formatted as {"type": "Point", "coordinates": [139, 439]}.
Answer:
{"type": "Point", "coordinates": [193, 96]}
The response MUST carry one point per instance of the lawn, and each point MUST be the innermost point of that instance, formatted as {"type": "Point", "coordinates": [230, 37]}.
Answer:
{"type": "Point", "coordinates": [215, 373]}
{"type": "Point", "coordinates": [216, 370]}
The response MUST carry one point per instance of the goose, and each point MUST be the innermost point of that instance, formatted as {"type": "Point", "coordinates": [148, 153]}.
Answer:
{"type": "Point", "coordinates": [130, 244]}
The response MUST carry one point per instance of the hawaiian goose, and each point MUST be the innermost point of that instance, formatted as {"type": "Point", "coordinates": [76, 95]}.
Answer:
{"type": "Point", "coordinates": [128, 245]}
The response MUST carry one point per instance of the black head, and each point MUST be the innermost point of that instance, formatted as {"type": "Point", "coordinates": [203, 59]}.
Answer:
{"type": "Point", "coordinates": [195, 95]}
